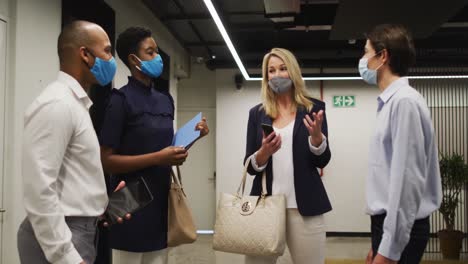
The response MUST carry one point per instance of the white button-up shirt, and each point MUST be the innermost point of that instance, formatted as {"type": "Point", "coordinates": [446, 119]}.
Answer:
{"type": "Point", "coordinates": [404, 178]}
{"type": "Point", "coordinates": [62, 169]}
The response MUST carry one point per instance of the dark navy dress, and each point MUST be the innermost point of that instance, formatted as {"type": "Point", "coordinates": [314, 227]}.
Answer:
{"type": "Point", "coordinates": [139, 120]}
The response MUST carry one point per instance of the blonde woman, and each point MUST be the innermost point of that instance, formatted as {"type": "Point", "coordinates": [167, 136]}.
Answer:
{"type": "Point", "coordinates": [291, 155]}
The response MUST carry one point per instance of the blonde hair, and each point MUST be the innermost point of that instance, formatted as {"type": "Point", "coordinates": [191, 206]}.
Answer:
{"type": "Point", "coordinates": [300, 92]}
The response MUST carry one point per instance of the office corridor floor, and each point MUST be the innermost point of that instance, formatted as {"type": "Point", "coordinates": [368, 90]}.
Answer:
{"type": "Point", "coordinates": [340, 250]}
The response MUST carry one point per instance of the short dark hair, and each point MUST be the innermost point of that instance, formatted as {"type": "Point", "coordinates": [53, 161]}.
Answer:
{"type": "Point", "coordinates": [398, 42]}
{"type": "Point", "coordinates": [129, 41]}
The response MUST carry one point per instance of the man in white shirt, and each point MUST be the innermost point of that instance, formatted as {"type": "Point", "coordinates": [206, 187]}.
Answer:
{"type": "Point", "coordinates": [64, 187]}
{"type": "Point", "coordinates": [403, 186]}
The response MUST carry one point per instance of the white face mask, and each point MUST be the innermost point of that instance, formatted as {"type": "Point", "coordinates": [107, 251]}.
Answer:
{"type": "Point", "coordinates": [368, 75]}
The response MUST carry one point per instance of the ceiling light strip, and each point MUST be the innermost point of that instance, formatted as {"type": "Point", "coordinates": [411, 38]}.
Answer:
{"type": "Point", "coordinates": [226, 38]}
{"type": "Point", "coordinates": [338, 78]}
{"type": "Point", "coordinates": [243, 70]}
{"type": "Point", "coordinates": [440, 77]}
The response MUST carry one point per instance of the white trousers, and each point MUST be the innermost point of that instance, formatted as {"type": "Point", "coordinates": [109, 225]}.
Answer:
{"type": "Point", "coordinates": [153, 257]}
{"type": "Point", "coordinates": [305, 237]}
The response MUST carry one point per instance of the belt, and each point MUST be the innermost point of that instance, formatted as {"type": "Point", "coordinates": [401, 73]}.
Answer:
{"type": "Point", "coordinates": [85, 220]}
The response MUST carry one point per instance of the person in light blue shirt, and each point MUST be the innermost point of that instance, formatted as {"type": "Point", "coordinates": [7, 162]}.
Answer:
{"type": "Point", "coordinates": [403, 185]}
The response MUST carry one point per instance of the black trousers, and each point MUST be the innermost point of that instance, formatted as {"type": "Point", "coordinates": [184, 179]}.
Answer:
{"type": "Point", "coordinates": [104, 252]}
{"type": "Point", "coordinates": [414, 250]}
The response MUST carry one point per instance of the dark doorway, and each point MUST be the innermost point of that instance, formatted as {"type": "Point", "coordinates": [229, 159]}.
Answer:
{"type": "Point", "coordinates": [96, 11]}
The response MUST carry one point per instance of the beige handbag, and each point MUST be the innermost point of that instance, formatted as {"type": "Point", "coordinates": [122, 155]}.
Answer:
{"type": "Point", "coordinates": [181, 227]}
{"type": "Point", "coordinates": [250, 225]}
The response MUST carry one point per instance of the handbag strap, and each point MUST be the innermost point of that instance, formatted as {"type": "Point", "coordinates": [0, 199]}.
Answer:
{"type": "Point", "coordinates": [264, 189]}
{"type": "Point", "coordinates": [244, 177]}
{"type": "Point", "coordinates": [176, 179]}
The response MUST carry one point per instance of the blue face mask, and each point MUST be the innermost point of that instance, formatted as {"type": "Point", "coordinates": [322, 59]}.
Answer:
{"type": "Point", "coordinates": [368, 75]}
{"type": "Point", "coordinates": [152, 68]}
{"type": "Point", "coordinates": [103, 70]}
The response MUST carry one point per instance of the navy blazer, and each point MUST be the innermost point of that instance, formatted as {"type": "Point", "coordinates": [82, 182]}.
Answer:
{"type": "Point", "coordinates": [311, 197]}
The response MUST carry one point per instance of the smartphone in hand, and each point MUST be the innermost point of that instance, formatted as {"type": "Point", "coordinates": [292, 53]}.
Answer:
{"type": "Point", "coordinates": [133, 197]}
{"type": "Point", "coordinates": [267, 129]}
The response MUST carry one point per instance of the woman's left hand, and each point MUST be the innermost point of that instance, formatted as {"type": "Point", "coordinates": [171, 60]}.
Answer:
{"type": "Point", "coordinates": [315, 127]}
{"type": "Point", "coordinates": [203, 127]}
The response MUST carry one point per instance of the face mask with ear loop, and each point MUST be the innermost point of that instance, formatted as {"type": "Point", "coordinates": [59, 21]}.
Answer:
{"type": "Point", "coordinates": [368, 75]}
{"type": "Point", "coordinates": [280, 85]}
{"type": "Point", "coordinates": [152, 68]}
{"type": "Point", "coordinates": [103, 70]}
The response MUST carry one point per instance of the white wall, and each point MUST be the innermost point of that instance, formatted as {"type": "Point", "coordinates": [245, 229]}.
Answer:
{"type": "Point", "coordinates": [4, 9]}
{"type": "Point", "coordinates": [198, 94]}
{"type": "Point", "coordinates": [232, 113]}
{"type": "Point", "coordinates": [4, 17]}
{"type": "Point", "coordinates": [349, 133]}
{"type": "Point", "coordinates": [198, 91]}
{"type": "Point", "coordinates": [33, 28]}
{"type": "Point", "coordinates": [350, 130]}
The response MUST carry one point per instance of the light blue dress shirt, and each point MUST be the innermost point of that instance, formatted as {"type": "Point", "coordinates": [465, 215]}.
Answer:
{"type": "Point", "coordinates": [404, 177]}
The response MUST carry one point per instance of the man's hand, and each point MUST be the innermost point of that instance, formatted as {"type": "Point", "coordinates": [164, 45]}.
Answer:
{"type": "Point", "coordinates": [379, 259]}
{"type": "Point", "coordinates": [370, 255]}
{"type": "Point", "coordinates": [119, 220]}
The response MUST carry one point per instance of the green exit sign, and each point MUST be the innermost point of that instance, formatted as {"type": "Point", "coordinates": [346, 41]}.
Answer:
{"type": "Point", "coordinates": [344, 101]}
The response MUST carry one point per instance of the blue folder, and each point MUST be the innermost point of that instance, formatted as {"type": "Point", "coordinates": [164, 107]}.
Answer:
{"type": "Point", "coordinates": [187, 134]}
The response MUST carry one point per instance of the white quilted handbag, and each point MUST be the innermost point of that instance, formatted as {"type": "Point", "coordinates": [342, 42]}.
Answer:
{"type": "Point", "coordinates": [251, 225]}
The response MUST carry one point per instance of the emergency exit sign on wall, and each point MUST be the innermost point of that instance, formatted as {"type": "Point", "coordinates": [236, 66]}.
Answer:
{"type": "Point", "coordinates": [344, 101]}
